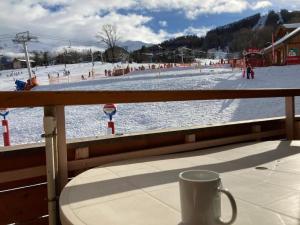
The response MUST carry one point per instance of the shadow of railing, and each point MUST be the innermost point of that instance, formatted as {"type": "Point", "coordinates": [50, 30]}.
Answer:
{"type": "Point", "coordinates": [112, 186]}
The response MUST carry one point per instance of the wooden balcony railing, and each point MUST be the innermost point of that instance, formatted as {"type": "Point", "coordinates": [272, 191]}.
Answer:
{"type": "Point", "coordinates": [55, 134]}
{"type": "Point", "coordinates": [52, 98]}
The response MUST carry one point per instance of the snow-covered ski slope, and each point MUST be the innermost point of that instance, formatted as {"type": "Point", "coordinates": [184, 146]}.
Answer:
{"type": "Point", "coordinates": [76, 71]}
{"type": "Point", "coordinates": [86, 121]}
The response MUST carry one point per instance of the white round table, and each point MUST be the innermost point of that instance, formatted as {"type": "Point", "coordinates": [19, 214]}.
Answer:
{"type": "Point", "coordinates": [146, 191]}
{"type": "Point", "coordinates": [121, 195]}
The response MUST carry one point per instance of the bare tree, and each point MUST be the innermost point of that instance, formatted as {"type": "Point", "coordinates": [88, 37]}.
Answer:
{"type": "Point", "coordinates": [108, 35]}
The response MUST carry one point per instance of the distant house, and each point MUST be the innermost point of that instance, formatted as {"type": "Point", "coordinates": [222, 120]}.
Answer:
{"type": "Point", "coordinates": [5, 63]}
{"type": "Point", "coordinates": [286, 29]}
{"type": "Point", "coordinates": [116, 54]}
{"type": "Point", "coordinates": [286, 48]}
{"type": "Point", "coordinates": [21, 63]}
{"type": "Point", "coordinates": [146, 57]}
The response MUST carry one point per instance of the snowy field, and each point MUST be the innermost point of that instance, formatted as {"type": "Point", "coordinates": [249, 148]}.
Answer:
{"type": "Point", "coordinates": [86, 121]}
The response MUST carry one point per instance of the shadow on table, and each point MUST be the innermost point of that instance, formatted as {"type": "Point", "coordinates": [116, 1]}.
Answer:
{"type": "Point", "coordinates": [125, 184]}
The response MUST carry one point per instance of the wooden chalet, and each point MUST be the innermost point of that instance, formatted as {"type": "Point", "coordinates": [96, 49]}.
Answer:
{"type": "Point", "coordinates": [21, 63]}
{"type": "Point", "coordinates": [285, 29]}
{"type": "Point", "coordinates": [286, 47]}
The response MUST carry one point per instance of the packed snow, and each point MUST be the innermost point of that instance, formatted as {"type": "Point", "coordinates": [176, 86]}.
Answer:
{"type": "Point", "coordinates": [87, 121]}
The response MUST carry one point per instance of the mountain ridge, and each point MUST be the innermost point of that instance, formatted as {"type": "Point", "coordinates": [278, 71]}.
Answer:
{"type": "Point", "coordinates": [252, 31]}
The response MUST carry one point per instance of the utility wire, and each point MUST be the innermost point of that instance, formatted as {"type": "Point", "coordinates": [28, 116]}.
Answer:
{"type": "Point", "coordinates": [49, 37]}
{"type": "Point", "coordinates": [11, 35]}
{"type": "Point", "coordinates": [6, 38]}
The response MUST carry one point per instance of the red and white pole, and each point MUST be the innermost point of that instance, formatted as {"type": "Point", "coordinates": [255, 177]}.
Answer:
{"type": "Point", "coordinates": [110, 127]}
{"type": "Point", "coordinates": [6, 138]}
{"type": "Point", "coordinates": [110, 110]}
{"type": "Point", "coordinates": [273, 49]}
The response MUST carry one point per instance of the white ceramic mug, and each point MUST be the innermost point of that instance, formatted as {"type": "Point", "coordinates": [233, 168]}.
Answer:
{"type": "Point", "coordinates": [200, 198]}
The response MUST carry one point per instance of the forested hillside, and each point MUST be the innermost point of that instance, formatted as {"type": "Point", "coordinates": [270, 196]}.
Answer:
{"type": "Point", "coordinates": [254, 31]}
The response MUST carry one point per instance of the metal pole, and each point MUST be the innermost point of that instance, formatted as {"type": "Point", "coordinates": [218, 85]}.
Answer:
{"type": "Point", "coordinates": [50, 132]}
{"type": "Point", "coordinates": [174, 57]}
{"type": "Point", "coordinates": [65, 56]}
{"type": "Point", "coordinates": [6, 138]}
{"type": "Point", "coordinates": [27, 60]}
{"type": "Point", "coordinates": [92, 57]}
{"type": "Point", "coordinates": [101, 57]}
{"type": "Point", "coordinates": [273, 50]}
{"type": "Point", "coordinates": [92, 62]}
{"type": "Point", "coordinates": [62, 148]}
{"type": "Point", "coordinates": [159, 66]}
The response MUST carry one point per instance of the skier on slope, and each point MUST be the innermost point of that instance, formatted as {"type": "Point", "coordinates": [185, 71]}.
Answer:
{"type": "Point", "coordinates": [252, 73]}
{"type": "Point", "coordinates": [248, 71]}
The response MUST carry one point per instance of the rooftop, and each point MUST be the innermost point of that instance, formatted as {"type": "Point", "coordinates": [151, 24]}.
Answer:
{"type": "Point", "coordinates": [291, 25]}
{"type": "Point", "coordinates": [264, 178]}
{"type": "Point", "coordinates": [283, 39]}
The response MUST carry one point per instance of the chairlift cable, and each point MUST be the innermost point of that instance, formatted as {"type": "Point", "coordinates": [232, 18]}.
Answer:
{"type": "Point", "coordinates": [66, 40]}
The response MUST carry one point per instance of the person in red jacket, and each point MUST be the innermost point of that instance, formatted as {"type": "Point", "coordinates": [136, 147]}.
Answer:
{"type": "Point", "coordinates": [252, 73]}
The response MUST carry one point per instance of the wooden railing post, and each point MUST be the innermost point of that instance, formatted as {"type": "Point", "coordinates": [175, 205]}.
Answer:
{"type": "Point", "coordinates": [62, 148]}
{"type": "Point", "coordinates": [256, 129]}
{"type": "Point", "coordinates": [56, 157]}
{"type": "Point", "coordinates": [290, 117]}
{"type": "Point", "coordinates": [51, 163]}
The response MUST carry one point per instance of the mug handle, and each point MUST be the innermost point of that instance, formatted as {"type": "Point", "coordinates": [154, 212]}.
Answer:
{"type": "Point", "coordinates": [233, 206]}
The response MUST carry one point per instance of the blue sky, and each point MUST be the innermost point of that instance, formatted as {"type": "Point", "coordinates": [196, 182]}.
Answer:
{"type": "Point", "coordinates": [176, 21]}
{"type": "Point", "coordinates": [149, 21]}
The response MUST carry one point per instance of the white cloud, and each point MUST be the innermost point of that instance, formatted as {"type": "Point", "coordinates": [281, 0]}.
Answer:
{"type": "Point", "coordinates": [91, 7]}
{"type": "Point", "coordinates": [194, 8]}
{"type": "Point", "coordinates": [163, 23]}
{"type": "Point", "coordinates": [261, 4]}
{"type": "Point", "coordinates": [74, 22]}
{"type": "Point", "coordinates": [71, 19]}
{"type": "Point", "coordinates": [286, 4]}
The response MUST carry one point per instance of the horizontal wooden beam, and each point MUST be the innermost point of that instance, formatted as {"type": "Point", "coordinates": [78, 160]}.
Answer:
{"type": "Point", "coordinates": [52, 98]}
{"type": "Point", "coordinates": [14, 175]}
{"type": "Point", "coordinates": [97, 161]}
{"type": "Point", "coordinates": [290, 117]}
{"type": "Point", "coordinates": [20, 174]}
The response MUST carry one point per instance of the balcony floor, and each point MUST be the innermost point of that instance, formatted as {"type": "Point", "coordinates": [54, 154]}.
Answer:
{"type": "Point", "coordinates": [146, 191]}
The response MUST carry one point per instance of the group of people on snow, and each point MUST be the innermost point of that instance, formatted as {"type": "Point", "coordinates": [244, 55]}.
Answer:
{"type": "Point", "coordinates": [12, 74]}
{"type": "Point", "coordinates": [248, 71]}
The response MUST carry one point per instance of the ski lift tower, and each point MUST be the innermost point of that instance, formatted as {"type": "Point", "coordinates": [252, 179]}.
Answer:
{"type": "Point", "coordinates": [159, 53]}
{"type": "Point", "coordinates": [92, 56]}
{"type": "Point", "coordinates": [0, 56]}
{"type": "Point", "coordinates": [23, 38]}
{"type": "Point", "coordinates": [66, 54]}
{"type": "Point", "coordinates": [1, 51]}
